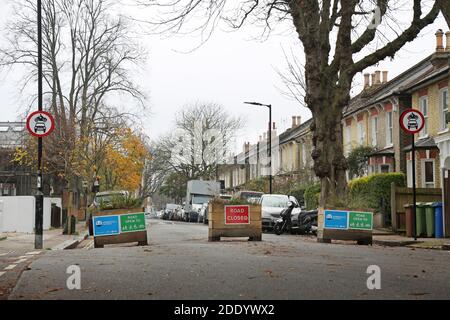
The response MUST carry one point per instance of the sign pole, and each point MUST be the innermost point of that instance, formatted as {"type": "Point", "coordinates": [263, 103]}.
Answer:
{"type": "Point", "coordinates": [412, 121]}
{"type": "Point", "coordinates": [39, 213]}
{"type": "Point", "coordinates": [414, 187]}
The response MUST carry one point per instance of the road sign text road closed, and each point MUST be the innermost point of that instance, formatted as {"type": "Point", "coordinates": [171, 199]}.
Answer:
{"type": "Point", "coordinates": [239, 214]}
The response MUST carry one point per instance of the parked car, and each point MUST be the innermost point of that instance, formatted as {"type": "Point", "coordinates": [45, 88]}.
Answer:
{"type": "Point", "coordinates": [250, 196]}
{"type": "Point", "coordinates": [271, 207]}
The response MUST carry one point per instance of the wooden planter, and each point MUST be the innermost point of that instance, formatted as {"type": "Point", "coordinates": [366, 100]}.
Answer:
{"type": "Point", "coordinates": [138, 236]}
{"type": "Point", "coordinates": [325, 235]}
{"type": "Point", "coordinates": [218, 228]}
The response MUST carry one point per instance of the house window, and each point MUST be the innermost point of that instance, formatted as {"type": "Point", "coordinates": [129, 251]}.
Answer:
{"type": "Point", "coordinates": [389, 128]}
{"type": "Point", "coordinates": [361, 133]}
{"type": "Point", "coordinates": [348, 137]}
{"type": "Point", "coordinates": [423, 104]}
{"type": "Point", "coordinates": [385, 168]}
{"type": "Point", "coordinates": [374, 131]}
{"type": "Point", "coordinates": [444, 107]}
{"type": "Point", "coordinates": [428, 173]}
{"type": "Point", "coordinates": [409, 171]}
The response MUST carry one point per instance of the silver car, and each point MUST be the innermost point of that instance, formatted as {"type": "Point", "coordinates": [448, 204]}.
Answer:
{"type": "Point", "coordinates": [271, 207]}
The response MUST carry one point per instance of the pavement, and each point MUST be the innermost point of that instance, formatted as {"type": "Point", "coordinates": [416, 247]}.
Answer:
{"type": "Point", "coordinates": [17, 252]}
{"type": "Point", "coordinates": [179, 263]}
{"type": "Point", "coordinates": [389, 239]}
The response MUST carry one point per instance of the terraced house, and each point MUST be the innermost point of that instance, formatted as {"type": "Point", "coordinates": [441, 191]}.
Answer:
{"type": "Point", "coordinates": [372, 118]}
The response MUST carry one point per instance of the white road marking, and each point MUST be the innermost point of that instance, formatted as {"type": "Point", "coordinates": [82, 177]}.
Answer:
{"type": "Point", "coordinates": [23, 257]}
{"type": "Point", "coordinates": [10, 267]}
{"type": "Point", "coordinates": [32, 252]}
{"type": "Point", "coordinates": [2, 273]}
{"type": "Point", "coordinates": [20, 261]}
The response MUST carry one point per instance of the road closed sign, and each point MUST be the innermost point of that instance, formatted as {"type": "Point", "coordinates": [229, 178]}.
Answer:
{"type": "Point", "coordinates": [40, 123]}
{"type": "Point", "coordinates": [239, 214]}
{"type": "Point", "coordinates": [412, 121]}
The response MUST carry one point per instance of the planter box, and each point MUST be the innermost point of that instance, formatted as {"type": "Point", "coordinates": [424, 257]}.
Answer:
{"type": "Point", "coordinates": [345, 224]}
{"type": "Point", "coordinates": [124, 236]}
{"type": "Point", "coordinates": [243, 221]}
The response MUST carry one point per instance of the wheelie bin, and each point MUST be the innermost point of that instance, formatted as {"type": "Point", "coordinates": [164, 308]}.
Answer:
{"type": "Point", "coordinates": [438, 220]}
{"type": "Point", "coordinates": [420, 220]}
{"type": "Point", "coordinates": [429, 218]}
{"type": "Point", "coordinates": [409, 219]}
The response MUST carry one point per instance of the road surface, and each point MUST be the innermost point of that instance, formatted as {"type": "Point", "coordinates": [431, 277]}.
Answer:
{"type": "Point", "coordinates": [180, 263]}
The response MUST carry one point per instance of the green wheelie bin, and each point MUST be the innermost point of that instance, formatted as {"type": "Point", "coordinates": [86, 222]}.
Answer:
{"type": "Point", "coordinates": [429, 219]}
{"type": "Point", "coordinates": [420, 220]}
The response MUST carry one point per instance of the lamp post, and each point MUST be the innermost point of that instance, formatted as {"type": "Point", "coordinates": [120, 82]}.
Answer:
{"type": "Point", "coordinates": [269, 144]}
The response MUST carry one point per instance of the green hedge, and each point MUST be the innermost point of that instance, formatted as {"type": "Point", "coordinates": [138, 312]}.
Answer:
{"type": "Point", "coordinates": [374, 191]}
{"type": "Point", "coordinates": [311, 196]}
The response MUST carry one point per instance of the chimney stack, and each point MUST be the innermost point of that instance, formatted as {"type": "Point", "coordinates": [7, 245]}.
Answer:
{"type": "Point", "coordinates": [440, 41]}
{"type": "Point", "coordinates": [377, 77]}
{"type": "Point", "coordinates": [373, 79]}
{"type": "Point", "coordinates": [273, 126]}
{"type": "Point", "coordinates": [294, 122]}
{"type": "Point", "coordinates": [385, 76]}
{"type": "Point", "coordinates": [447, 35]}
{"type": "Point", "coordinates": [366, 80]}
{"type": "Point", "coordinates": [299, 120]}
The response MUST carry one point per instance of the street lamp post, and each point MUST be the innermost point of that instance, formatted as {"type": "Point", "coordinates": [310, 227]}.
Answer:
{"type": "Point", "coordinates": [269, 144]}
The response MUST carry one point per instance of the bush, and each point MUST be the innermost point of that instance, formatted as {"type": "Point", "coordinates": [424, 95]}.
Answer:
{"type": "Point", "coordinates": [374, 192]}
{"type": "Point", "coordinates": [121, 202]}
{"type": "Point", "coordinates": [311, 196]}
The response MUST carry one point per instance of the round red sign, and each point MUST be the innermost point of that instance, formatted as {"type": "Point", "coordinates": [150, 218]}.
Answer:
{"type": "Point", "coordinates": [40, 123]}
{"type": "Point", "coordinates": [412, 121]}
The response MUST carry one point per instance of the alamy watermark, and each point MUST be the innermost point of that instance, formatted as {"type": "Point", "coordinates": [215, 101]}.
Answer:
{"type": "Point", "coordinates": [374, 280]}
{"type": "Point", "coordinates": [74, 280]}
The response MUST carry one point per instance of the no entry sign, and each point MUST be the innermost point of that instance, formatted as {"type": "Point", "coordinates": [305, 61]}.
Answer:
{"type": "Point", "coordinates": [412, 121]}
{"type": "Point", "coordinates": [40, 123]}
{"type": "Point", "coordinates": [239, 214]}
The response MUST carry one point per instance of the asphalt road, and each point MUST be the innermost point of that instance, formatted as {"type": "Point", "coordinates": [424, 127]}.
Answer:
{"type": "Point", "coordinates": [180, 263]}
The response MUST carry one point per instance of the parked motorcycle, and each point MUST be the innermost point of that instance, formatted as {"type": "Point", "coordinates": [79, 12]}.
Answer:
{"type": "Point", "coordinates": [284, 223]}
{"type": "Point", "coordinates": [305, 223]}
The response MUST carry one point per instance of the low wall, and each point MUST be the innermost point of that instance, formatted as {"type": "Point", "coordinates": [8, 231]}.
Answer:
{"type": "Point", "coordinates": [18, 214]}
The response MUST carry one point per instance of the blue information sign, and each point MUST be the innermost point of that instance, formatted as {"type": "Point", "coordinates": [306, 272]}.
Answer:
{"type": "Point", "coordinates": [335, 219]}
{"type": "Point", "coordinates": [106, 225]}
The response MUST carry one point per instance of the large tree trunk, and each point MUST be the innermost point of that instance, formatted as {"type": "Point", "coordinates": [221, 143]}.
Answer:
{"type": "Point", "coordinates": [330, 164]}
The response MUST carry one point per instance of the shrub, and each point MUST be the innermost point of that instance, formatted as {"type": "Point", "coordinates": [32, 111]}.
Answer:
{"type": "Point", "coordinates": [121, 202]}
{"type": "Point", "coordinates": [311, 196]}
{"type": "Point", "coordinates": [374, 192]}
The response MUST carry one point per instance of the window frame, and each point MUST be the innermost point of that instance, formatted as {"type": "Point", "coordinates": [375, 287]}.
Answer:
{"type": "Point", "coordinates": [424, 132]}
{"type": "Point", "coordinates": [389, 128]}
{"type": "Point", "coordinates": [374, 129]}
{"type": "Point", "coordinates": [426, 184]}
{"type": "Point", "coordinates": [443, 112]}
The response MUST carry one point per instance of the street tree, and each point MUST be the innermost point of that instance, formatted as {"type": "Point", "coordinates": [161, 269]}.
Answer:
{"type": "Point", "coordinates": [88, 53]}
{"type": "Point", "coordinates": [202, 140]}
{"type": "Point", "coordinates": [340, 38]}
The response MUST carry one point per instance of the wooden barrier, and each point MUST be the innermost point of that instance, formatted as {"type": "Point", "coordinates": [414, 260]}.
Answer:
{"type": "Point", "coordinates": [218, 227]}
{"type": "Point", "coordinates": [348, 228]}
{"type": "Point", "coordinates": [123, 237]}
{"type": "Point", "coordinates": [401, 196]}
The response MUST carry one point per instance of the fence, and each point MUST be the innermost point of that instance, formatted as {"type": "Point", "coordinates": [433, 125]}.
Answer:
{"type": "Point", "coordinates": [401, 196]}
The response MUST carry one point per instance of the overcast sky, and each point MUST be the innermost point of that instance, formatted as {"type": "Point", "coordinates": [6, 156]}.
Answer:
{"type": "Point", "coordinates": [229, 69]}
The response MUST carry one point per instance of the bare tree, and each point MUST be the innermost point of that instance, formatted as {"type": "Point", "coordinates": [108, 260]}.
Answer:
{"type": "Point", "coordinates": [340, 38]}
{"type": "Point", "coordinates": [87, 55]}
{"type": "Point", "coordinates": [201, 142]}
